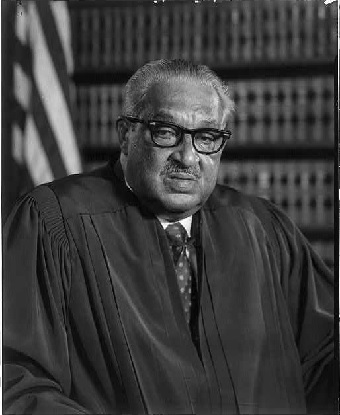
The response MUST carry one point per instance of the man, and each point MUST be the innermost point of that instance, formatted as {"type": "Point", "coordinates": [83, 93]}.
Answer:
{"type": "Point", "coordinates": [145, 288]}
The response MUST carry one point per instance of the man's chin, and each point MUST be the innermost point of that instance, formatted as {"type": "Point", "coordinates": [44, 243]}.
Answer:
{"type": "Point", "coordinates": [179, 204]}
{"type": "Point", "coordinates": [173, 205]}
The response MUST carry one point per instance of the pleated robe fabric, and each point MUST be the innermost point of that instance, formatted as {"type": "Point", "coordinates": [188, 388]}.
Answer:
{"type": "Point", "coordinates": [93, 321]}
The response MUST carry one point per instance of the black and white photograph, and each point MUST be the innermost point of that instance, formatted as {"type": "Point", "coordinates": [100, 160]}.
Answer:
{"type": "Point", "coordinates": [169, 205]}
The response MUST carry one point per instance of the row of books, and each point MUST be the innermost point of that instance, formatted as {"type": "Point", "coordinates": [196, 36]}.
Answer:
{"type": "Point", "coordinates": [303, 189]}
{"type": "Point", "coordinates": [219, 34]}
{"type": "Point", "coordinates": [292, 111]}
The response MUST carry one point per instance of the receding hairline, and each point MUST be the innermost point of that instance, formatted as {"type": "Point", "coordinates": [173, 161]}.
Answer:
{"type": "Point", "coordinates": [152, 73]}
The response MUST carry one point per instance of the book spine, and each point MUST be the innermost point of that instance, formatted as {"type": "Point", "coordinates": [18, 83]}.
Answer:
{"type": "Point", "coordinates": [300, 111]}
{"type": "Point", "coordinates": [321, 30]}
{"type": "Point", "coordinates": [176, 31]}
{"type": "Point", "coordinates": [269, 29]}
{"type": "Point", "coordinates": [155, 10]}
{"type": "Point", "coordinates": [274, 172]}
{"type": "Point", "coordinates": [309, 212]}
{"type": "Point", "coordinates": [258, 31]}
{"type": "Point", "coordinates": [164, 32]}
{"type": "Point", "coordinates": [286, 112]}
{"type": "Point", "coordinates": [319, 193]}
{"type": "Point", "coordinates": [93, 116]}
{"type": "Point", "coordinates": [254, 111]}
{"type": "Point", "coordinates": [264, 184]}
{"type": "Point", "coordinates": [114, 113]}
{"type": "Point", "coordinates": [235, 46]}
{"type": "Point", "coordinates": [325, 186]}
{"type": "Point", "coordinates": [273, 111]}
{"type": "Point", "coordinates": [186, 30]}
{"type": "Point", "coordinates": [314, 130]}
{"type": "Point", "coordinates": [197, 29]}
{"type": "Point", "coordinates": [85, 39]}
{"type": "Point", "coordinates": [309, 26]}
{"type": "Point", "coordinates": [333, 48]}
{"type": "Point", "coordinates": [117, 37]}
{"type": "Point", "coordinates": [209, 47]}
{"type": "Point", "coordinates": [295, 27]}
{"type": "Point", "coordinates": [241, 130]}
{"type": "Point", "coordinates": [139, 18]}
{"type": "Point", "coordinates": [94, 38]}
{"type": "Point", "coordinates": [282, 34]}
{"type": "Point", "coordinates": [327, 113]}
{"type": "Point", "coordinates": [107, 39]}
{"type": "Point", "coordinates": [81, 115]}
{"type": "Point", "coordinates": [128, 51]}
{"type": "Point", "coordinates": [246, 34]}
{"type": "Point", "coordinates": [291, 190]}
{"type": "Point", "coordinates": [107, 116]}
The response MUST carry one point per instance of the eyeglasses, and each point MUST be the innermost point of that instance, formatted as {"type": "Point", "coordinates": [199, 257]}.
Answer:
{"type": "Point", "coordinates": [167, 134]}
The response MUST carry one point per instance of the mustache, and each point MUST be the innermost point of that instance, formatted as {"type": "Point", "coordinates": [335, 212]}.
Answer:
{"type": "Point", "coordinates": [174, 167]}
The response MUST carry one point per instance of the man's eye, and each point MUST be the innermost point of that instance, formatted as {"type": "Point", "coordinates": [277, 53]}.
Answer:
{"type": "Point", "coordinates": [165, 132]}
{"type": "Point", "coordinates": [207, 137]}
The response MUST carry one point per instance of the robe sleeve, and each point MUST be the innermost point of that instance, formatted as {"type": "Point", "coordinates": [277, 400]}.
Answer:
{"type": "Point", "coordinates": [308, 289]}
{"type": "Point", "coordinates": [36, 279]}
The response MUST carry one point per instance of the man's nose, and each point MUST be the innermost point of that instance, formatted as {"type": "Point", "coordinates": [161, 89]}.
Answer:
{"type": "Point", "coordinates": [186, 152]}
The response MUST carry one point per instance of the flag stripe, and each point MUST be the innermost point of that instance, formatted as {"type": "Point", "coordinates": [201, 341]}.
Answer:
{"type": "Point", "coordinates": [46, 134]}
{"type": "Point", "coordinates": [43, 144]}
{"type": "Point", "coordinates": [22, 56]}
{"type": "Point", "coordinates": [18, 113]}
{"type": "Point", "coordinates": [17, 143]}
{"type": "Point", "coordinates": [54, 46]}
{"type": "Point", "coordinates": [21, 86]}
{"type": "Point", "coordinates": [21, 22]}
{"type": "Point", "coordinates": [38, 164]}
{"type": "Point", "coordinates": [53, 99]}
{"type": "Point", "coordinates": [63, 23]}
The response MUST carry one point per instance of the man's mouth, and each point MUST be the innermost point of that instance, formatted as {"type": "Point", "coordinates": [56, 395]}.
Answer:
{"type": "Point", "coordinates": [182, 176]}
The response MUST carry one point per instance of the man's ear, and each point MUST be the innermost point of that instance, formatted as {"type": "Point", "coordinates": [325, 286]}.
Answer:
{"type": "Point", "coordinates": [123, 135]}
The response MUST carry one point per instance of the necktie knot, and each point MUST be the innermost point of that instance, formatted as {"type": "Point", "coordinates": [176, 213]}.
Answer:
{"type": "Point", "coordinates": [177, 235]}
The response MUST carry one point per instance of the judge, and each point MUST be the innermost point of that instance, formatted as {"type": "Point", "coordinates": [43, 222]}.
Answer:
{"type": "Point", "coordinates": [144, 287]}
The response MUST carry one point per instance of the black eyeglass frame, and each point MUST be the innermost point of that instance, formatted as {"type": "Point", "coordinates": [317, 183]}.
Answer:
{"type": "Point", "coordinates": [226, 134]}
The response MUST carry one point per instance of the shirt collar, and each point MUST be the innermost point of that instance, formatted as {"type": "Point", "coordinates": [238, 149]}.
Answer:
{"type": "Point", "coordinates": [186, 223]}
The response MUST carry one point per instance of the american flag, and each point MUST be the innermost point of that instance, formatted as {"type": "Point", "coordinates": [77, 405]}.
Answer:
{"type": "Point", "coordinates": [43, 145]}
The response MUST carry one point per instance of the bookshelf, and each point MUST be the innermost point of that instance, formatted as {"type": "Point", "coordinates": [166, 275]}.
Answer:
{"type": "Point", "coordinates": [278, 58]}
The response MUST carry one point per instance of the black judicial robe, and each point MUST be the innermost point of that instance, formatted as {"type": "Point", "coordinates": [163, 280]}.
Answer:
{"type": "Point", "coordinates": [93, 318]}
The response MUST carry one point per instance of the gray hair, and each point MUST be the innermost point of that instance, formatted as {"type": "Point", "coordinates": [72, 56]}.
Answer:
{"type": "Point", "coordinates": [153, 72]}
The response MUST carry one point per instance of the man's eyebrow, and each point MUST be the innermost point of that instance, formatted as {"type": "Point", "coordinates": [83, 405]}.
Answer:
{"type": "Point", "coordinates": [164, 116]}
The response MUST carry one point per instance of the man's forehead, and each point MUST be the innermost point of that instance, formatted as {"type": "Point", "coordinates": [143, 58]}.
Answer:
{"type": "Point", "coordinates": [176, 98]}
{"type": "Point", "coordinates": [173, 115]}
{"type": "Point", "coordinates": [179, 88]}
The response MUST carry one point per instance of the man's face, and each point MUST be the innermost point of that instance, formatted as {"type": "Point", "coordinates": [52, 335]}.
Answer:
{"type": "Point", "coordinates": [174, 182]}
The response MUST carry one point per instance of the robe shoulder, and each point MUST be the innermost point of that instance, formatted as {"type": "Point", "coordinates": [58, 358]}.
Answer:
{"type": "Point", "coordinates": [98, 191]}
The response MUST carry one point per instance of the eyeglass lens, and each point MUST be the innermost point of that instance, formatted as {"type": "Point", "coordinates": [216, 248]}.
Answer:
{"type": "Point", "coordinates": [169, 136]}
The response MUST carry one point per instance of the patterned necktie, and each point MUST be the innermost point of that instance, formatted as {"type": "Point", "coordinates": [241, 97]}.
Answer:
{"type": "Point", "coordinates": [178, 239]}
